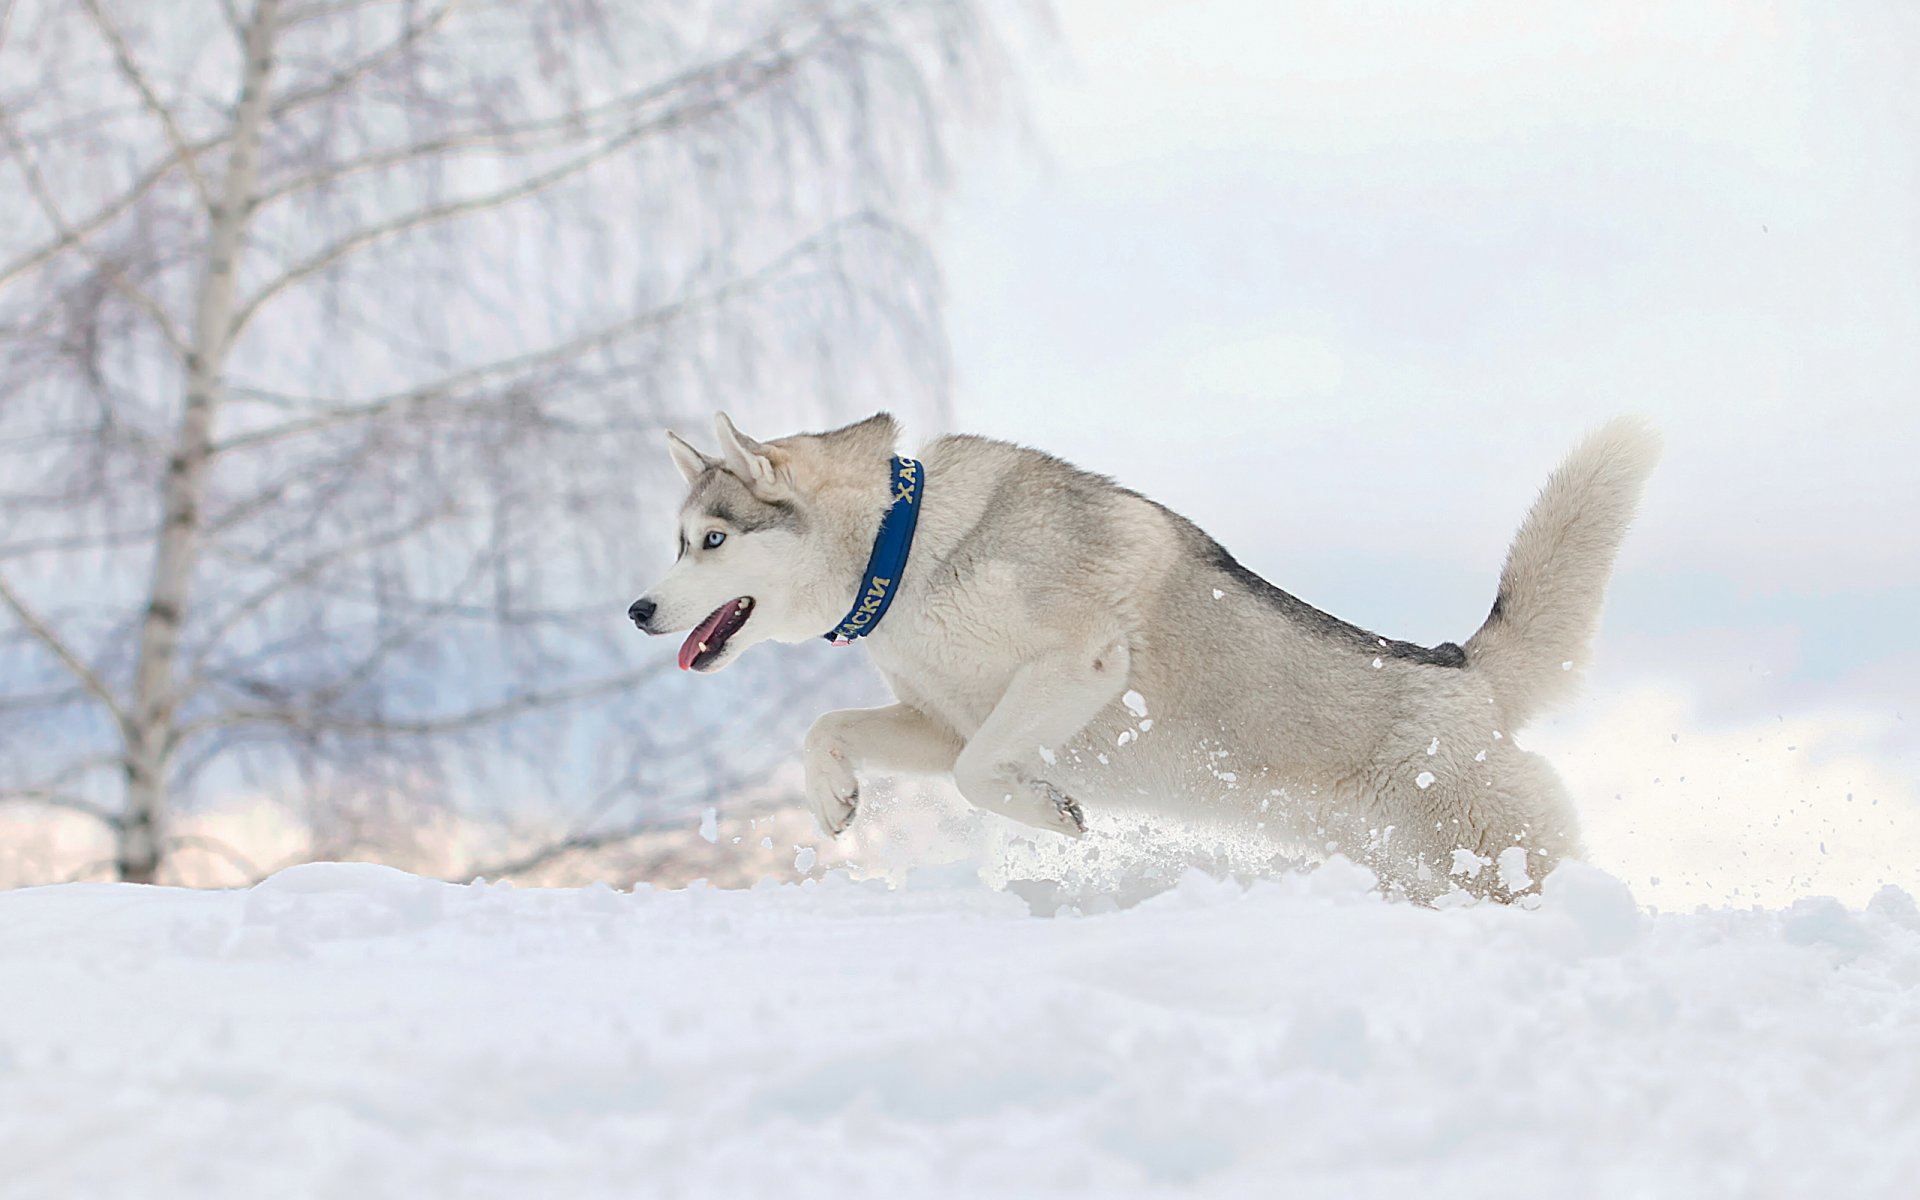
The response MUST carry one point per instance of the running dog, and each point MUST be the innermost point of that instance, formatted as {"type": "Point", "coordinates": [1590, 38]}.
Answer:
{"type": "Point", "coordinates": [1063, 647]}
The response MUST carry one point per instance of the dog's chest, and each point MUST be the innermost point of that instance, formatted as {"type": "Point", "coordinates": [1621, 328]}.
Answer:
{"type": "Point", "coordinates": [951, 650]}
{"type": "Point", "coordinates": [956, 679]}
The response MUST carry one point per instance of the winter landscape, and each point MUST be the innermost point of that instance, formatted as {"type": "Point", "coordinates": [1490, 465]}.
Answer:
{"type": "Point", "coordinates": [353, 842]}
{"type": "Point", "coordinates": [349, 1030]}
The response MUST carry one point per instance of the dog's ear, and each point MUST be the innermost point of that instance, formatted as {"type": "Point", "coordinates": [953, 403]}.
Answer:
{"type": "Point", "coordinates": [877, 435]}
{"type": "Point", "coordinates": [691, 462]}
{"type": "Point", "coordinates": [760, 465]}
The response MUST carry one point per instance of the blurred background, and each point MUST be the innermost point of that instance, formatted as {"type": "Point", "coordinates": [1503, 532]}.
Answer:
{"type": "Point", "coordinates": [337, 338]}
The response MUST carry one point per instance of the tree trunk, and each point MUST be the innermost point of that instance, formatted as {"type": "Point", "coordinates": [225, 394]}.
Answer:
{"type": "Point", "coordinates": [177, 552]}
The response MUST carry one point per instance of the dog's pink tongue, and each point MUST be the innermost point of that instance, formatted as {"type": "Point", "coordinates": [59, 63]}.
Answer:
{"type": "Point", "coordinates": [703, 632]}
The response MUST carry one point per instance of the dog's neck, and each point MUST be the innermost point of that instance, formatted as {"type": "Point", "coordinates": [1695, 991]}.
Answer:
{"type": "Point", "coordinates": [888, 561]}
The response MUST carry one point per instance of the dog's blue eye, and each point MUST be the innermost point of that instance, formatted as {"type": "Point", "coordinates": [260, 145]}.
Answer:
{"type": "Point", "coordinates": [712, 540]}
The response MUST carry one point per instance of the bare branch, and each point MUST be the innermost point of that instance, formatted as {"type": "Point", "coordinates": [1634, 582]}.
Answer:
{"type": "Point", "coordinates": [420, 218]}
{"type": "Point", "coordinates": [102, 217]}
{"type": "Point", "coordinates": [317, 723]}
{"type": "Point", "coordinates": [189, 156]}
{"type": "Point", "coordinates": [559, 129]}
{"type": "Point", "coordinates": [322, 696]}
{"type": "Point", "coordinates": [417, 400]}
{"type": "Point", "coordinates": [60, 800]}
{"type": "Point", "coordinates": [263, 500]}
{"type": "Point", "coordinates": [403, 633]}
{"type": "Point", "coordinates": [35, 701]}
{"type": "Point", "coordinates": [517, 139]}
{"type": "Point", "coordinates": [123, 57]}
{"type": "Point", "coordinates": [29, 547]}
{"type": "Point", "coordinates": [298, 576]}
{"type": "Point", "coordinates": [43, 196]}
{"type": "Point", "coordinates": [75, 771]}
{"type": "Point", "coordinates": [356, 71]}
{"type": "Point", "coordinates": [320, 12]}
{"type": "Point", "coordinates": [44, 634]}
{"type": "Point", "coordinates": [235, 22]}
{"type": "Point", "coordinates": [540, 182]}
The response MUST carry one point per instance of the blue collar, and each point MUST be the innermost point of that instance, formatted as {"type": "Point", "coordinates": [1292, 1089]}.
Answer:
{"type": "Point", "coordinates": [889, 558]}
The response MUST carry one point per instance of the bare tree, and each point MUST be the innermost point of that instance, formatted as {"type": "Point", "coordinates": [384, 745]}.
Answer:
{"type": "Point", "coordinates": [335, 337]}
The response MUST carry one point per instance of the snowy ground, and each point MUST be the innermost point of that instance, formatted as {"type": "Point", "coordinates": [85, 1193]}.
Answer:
{"type": "Point", "coordinates": [351, 1031]}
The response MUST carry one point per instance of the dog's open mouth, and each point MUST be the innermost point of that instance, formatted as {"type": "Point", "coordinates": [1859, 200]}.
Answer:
{"type": "Point", "coordinates": [709, 637]}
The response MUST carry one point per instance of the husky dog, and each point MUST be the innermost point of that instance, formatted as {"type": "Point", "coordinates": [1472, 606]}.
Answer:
{"type": "Point", "coordinates": [1063, 648]}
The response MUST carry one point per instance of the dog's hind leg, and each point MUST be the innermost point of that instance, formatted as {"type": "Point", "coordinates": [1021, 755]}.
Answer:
{"type": "Point", "coordinates": [842, 745]}
{"type": "Point", "coordinates": [1049, 701]}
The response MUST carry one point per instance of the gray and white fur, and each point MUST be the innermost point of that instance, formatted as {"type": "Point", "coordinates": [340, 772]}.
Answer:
{"type": "Point", "coordinates": [1067, 650]}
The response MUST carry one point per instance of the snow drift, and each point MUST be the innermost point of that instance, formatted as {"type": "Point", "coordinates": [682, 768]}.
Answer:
{"type": "Point", "coordinates": [351, 1031]}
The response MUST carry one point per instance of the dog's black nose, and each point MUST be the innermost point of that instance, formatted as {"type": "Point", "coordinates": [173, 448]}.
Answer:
{"type": "Point", "coordinates": [642, 612]}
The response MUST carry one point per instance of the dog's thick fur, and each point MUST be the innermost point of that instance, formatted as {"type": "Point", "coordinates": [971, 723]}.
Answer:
{"type": "Point", "coordinates": [1065, 648]}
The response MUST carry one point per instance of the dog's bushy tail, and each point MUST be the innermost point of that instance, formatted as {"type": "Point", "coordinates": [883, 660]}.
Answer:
{"type": "Point", "coordinates": [1541, 629]}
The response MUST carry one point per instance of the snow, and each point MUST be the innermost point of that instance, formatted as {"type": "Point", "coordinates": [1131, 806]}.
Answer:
{"type": "Point", "coordinates": [1466, 862]}
{"type": "Point", "coordinates": [1512, 865]}
{"type": "Point", "coordinates": [349, 1030]}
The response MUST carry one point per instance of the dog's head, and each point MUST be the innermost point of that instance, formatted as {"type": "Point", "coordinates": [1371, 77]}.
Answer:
{"type": "Point", "coordinates": [773, 538]}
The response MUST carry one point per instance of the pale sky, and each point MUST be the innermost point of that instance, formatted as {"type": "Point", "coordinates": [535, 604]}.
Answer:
{"type": "Point", "coordinates": [1343, 281]}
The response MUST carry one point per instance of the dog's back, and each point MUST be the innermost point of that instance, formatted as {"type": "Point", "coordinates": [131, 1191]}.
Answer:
{"type": "Point", "coordinates": [1243, 700]}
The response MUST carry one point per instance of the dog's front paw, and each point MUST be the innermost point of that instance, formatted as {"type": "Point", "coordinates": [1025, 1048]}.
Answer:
{"type": "Point", "coordinates": [832, 790]}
